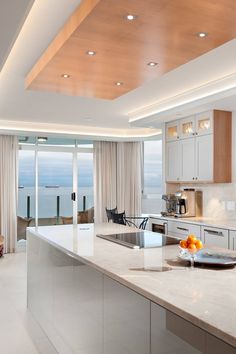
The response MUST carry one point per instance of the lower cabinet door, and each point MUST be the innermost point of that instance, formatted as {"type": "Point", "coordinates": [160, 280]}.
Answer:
{"type": "Point", "coordinates": [217, 346]}
{"type": "Point", "coordinates": [171, 334]}
{"type": "Point", "coordinates": [126, 320]}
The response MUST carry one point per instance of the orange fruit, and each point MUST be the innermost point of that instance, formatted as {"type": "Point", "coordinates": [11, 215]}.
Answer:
{"type": "Point", "coordinates": [183, 244]}
{"type": "Point", "coordinates": [199, 244]}
{"type": "Point", "coordinates": [192, 247]}
{"type": "Point", "coordinates": [191, 239]}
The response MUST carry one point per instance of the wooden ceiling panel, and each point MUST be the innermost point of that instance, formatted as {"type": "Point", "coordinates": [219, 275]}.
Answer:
{"type": "Point", "coordinates": [165, 31]}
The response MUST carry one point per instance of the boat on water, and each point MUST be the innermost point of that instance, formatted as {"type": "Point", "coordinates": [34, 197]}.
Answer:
{"type": "Point", "coordinates": [52, 186]}
{"type": "Point", "coordinates": [21, 187]}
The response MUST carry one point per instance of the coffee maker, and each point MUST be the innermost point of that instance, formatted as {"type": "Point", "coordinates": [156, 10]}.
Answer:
{"type": "Point", "coordinates": [188, 203]}
{"type": "Point", "coordinates": [170, 205]}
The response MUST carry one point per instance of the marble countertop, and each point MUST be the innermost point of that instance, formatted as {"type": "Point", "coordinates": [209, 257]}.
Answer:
{"type": "Point", "coordinates": [205, 297]}
{"type": "Point", "coordinates": [203, 221]}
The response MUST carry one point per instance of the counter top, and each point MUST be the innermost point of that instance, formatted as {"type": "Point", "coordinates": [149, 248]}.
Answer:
{"type": "Point", "coordinates": [204, 221]}
{"type": "Point", "coordinates": [205, 297]}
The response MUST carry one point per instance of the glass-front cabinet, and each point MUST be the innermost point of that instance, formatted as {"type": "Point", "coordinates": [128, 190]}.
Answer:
{"type": "Point", "coordinates": [172, 131]}
{"type": "Point", "coordinates": [204, 123]}
{"type": "Point", "coordinates": [187, 127]}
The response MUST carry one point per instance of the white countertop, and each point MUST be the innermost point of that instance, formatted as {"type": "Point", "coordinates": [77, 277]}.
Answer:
{"type": "Point", "coordinates": [204, 221]}
{"type": "Point", "coordinates": [203, 296]}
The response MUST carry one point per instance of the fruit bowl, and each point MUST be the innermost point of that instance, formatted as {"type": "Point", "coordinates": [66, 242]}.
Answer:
{"type": "Point", "coordinates": [189, 248]}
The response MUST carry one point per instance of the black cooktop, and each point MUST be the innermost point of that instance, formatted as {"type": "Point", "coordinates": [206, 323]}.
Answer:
{"type": "Point", "coordinates": [142, 239]}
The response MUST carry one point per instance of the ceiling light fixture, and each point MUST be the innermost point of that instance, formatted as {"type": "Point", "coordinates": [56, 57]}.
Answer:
{"type": "Point", "coordinates": [42, 139]}
{"type": "Point", "coordinates": [65, 76]}
{"type": "Point", "coordinates": [152, 63]}
{"type": "Point", "coordinates": [91, 52]}
{"type": "Point", "coordinates": [118, 83]}
{"type": "Point", "coordinates": [201, 34]}
{"type": "Point", "coordinates": [130, 17]}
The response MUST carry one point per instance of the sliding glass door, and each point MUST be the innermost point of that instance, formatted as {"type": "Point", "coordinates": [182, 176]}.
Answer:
{"type": "Point", "coordinates": [55, 186]}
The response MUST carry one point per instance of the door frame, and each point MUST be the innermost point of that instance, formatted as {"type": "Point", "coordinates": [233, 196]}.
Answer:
{"type": "Point", "coordinates": [50, 148]}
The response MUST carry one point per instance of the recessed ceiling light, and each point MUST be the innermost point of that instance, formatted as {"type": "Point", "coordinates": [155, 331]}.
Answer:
{"type": "Point", "coordinates": [202, 34]}
{"type": "Point", "coordinates": [91, 52]}
{"type": "Point", "coordinates": [130, 17]}
{"type": "Point", "coordinates": [42, 139]}
{"type": "Point", "coordinates": [65, 76]}
{"type": "Point", "coordinates": [152, 63]}
{"type": "Point", "coordinates": [118, 83]}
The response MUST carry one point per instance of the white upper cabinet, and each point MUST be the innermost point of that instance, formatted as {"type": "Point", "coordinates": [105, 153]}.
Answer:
{"type": "Point", "coordinates": [204, 123]}
{"type": "Point", "coordinates": [199, 148]}
{"type": "Point", "coordinates": [187, 127]}
{"type": "Point", "coordinates": [172, 131]}
{"type": "Point", "coordinates": [172, 159]}
{"type": "Point", "coordinates": [187, 159]}
{"type": "Point", "coordinates": [204, 158]}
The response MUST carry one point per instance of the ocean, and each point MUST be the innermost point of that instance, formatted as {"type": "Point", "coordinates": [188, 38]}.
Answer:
{"type": "Point", "coordinates": [47, 207]}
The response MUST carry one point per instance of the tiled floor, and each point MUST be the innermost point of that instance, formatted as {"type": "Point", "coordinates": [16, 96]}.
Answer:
{"type": "Point", "coordinates": [19, 333]}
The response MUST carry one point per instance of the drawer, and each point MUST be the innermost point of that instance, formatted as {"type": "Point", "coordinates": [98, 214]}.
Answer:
{"type": "Point", "coordinates": [232, 240]}
{"type": "Point", "coordinates": [215, 236]}
{"type": "Point", "coordinates": [181, 229]}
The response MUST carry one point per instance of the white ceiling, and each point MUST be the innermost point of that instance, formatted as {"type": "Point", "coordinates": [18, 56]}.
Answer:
{"type": "Point", "coordinates": [154, 102]}
{"type": "Point", "coordinates": [12, 16]}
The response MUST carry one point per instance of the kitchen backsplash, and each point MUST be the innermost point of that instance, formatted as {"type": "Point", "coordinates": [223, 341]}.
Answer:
{"type": "Point", "coordinates": [219, 200]}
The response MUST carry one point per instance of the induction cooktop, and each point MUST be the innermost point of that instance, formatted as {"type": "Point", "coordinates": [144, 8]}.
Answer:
{"type": "Point", "coordinates": [141, 239]}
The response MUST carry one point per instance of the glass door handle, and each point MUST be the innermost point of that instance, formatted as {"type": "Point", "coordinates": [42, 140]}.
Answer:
{"type": "Point", "coordinates": [73, 196]}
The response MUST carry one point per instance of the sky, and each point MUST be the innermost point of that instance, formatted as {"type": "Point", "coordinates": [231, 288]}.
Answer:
{"type": "Point", "coordinates": [55, 168]}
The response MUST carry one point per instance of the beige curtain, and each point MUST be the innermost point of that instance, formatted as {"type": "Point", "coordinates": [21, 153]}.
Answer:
{"type": "Point", "coordinates": [104, 178]}
{"type": "Point", "coordinates": [117, 178]}
{"type": "Point", "coordinates": [129, 177]}
{"type": "Point", "coordinates": [8, 190]}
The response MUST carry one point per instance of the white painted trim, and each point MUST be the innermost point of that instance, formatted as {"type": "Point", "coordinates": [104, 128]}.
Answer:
{"type": "Point", "coordinates": [221, 87]}
{"type": "Point", "coordinates": [75, 131]}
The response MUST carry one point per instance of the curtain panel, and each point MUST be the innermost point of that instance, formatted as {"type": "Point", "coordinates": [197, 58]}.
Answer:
{"type": "Point", "coordinates": [118, 170]}
{"type": "Point", "coordinates": [104, 178]}
{"type": "Point", "coordinates": [8, 190]}
{"type": "Point", "coordinates": [129, 177]}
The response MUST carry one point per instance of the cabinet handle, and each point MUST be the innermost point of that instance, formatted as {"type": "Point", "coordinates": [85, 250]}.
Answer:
{"type": "Point", "coordinates": [193, 133]}
{"type": "Point", "coordinates": [213, 232]}
{"type": "Point", "coordinates": [196, 133]}
{"type": "Point", "coordinates": [182, 228]}
{"type": "Point", "coordinates": [177, 178]}
{"type": "Point", "coordinates": [177, 137]}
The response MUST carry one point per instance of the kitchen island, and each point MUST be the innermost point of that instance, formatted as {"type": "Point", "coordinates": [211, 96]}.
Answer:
{"type": "Point", "coordinates": [92, 296]}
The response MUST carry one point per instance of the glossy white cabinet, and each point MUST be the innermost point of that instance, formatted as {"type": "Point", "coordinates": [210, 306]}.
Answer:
{"type": "Point", "coordinates": [172, 161]}
{"type": "Point", "coordinates": [78, 304]}
{"type": "Point", "coordinates": [216, 346]}
{"type": "Point", "coordinates": [232, 240]}
{"type": "Point", "coordinates": [171, 334]}
{"type": "Point", "coordinates": [215, 236]}
{"type": "Point", "coordinates": [66, 298]}
{"type": "Point", "coordinates": [204, 158]}
{"type": "Point", "coordinates": [126, 320]}
{"type": "Point", "coordinates": [187, 159]}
